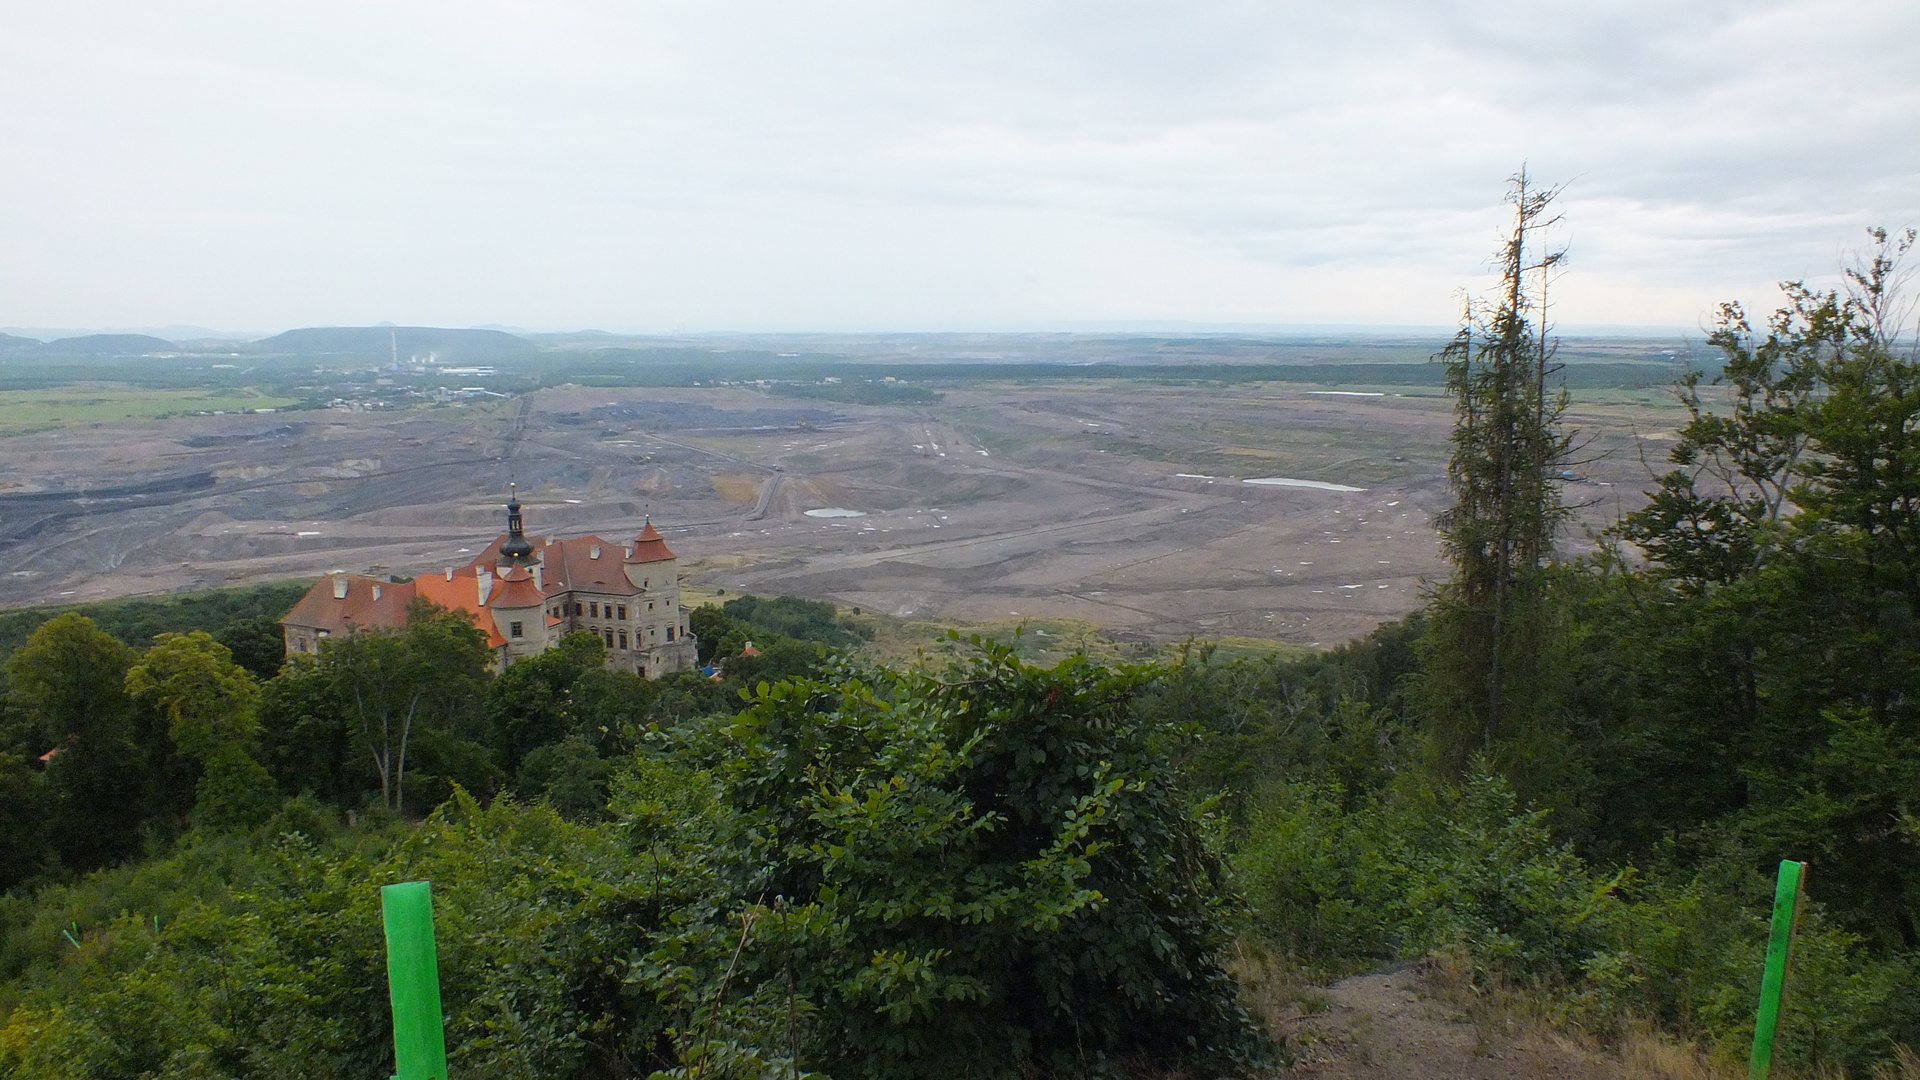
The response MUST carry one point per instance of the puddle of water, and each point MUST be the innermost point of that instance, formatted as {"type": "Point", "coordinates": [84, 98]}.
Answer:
{"type": "Point", "coordinates": [1283, 481]}
{"type": "Point", "coordinates": [835, 512]}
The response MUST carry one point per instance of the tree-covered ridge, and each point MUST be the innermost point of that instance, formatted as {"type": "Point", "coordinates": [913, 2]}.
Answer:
{"type": "Point", "coordinates": [985, 871]}
{"type": "Point", "coordinates": [244, 619]}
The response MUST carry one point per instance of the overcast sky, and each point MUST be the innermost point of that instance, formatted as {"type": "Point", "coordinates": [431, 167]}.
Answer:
{"type": "Point", "coordinates": [632, 165]}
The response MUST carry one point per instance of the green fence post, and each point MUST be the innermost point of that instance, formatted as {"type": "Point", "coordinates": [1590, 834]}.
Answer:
{"type": "Point", "coordinates": [413, 982]}
{"type": "Point", "coordinates": [1788, 892]}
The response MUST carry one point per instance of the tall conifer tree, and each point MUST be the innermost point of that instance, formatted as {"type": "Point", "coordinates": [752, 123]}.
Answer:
{"type": "Point", "coordinates": [1508, 449]}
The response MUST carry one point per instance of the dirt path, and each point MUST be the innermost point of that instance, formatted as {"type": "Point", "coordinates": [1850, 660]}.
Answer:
{"type": "Point", "coordinates": [1391, 1026]}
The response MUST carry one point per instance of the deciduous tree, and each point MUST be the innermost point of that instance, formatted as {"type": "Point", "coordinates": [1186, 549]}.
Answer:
{"type": "Point", "coordinates": [431, 673]}
{"type": "Point", "coordinates": [209, 704]}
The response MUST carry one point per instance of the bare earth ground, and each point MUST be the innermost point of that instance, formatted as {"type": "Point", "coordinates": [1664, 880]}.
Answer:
{"type": "Point", "coordinates": [1393, 1026]}
{"type": "Point", "coordinates": [1120, 504]}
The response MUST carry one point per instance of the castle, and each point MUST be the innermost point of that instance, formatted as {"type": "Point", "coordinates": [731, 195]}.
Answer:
{"type": "Point", "coordinates": [524, 596]}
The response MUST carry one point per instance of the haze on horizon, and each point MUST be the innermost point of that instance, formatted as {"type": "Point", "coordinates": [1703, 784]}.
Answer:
{"type": "Point", "coordinates": [756, 166]}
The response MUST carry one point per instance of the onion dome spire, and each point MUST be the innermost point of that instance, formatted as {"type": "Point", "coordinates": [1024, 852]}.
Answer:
{"type": "Point", "coordinates": [517, 549]}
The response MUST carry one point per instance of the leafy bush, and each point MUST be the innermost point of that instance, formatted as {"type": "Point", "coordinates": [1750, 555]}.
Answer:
{"type": "Point", "coordinates": [269, 960]}
{"type": "Point", "coordinates": [1342, 887]}
{"type": "Point", "coordinates": [793, 617]}
{"type": "Point", "coordinates": [1416, 871]}
{"type": "Point", "coordinates": [986, 874]}
{"type": "Point", "coordinates": [1690, 953]}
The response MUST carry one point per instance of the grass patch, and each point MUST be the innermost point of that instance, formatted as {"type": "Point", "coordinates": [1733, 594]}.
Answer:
{"type": "Point", "coordinates": [741, 489]}
{"type": "Point", "coordinates": [37, 410]}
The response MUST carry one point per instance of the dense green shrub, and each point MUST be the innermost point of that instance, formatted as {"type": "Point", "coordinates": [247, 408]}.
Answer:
{"type": "Point", "coordinates": [1391, 877]}
{"type": "Point", "coordinates": [762, 618]}
{"type": "Point", "coordinates": [1689, 954]}
{"type": "Point", "coordinates": [987, 873]}
{"type": "Point", "coordinates": [269, 960]}
{"type": "Point", "coordinates": [1417, 871]}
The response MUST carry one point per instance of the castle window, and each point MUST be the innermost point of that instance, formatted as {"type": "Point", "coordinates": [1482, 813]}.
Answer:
{"type": "Point", "coordinates": [623, 611]}
{"type": "Point", "coordinates": [579, 609]}
{"type": "Point", "coordinates": [593, 610]}
{"type": "Point", "coordinates": [609, 634]}
{"type": "Point", "coordinates": [623, 639]}
{"type": "Point", "coordinates": [649, 605]}
{"type": "Point", "coordinates": [669, 633]}
{"type": "Point", "coordinates": [515, 630]}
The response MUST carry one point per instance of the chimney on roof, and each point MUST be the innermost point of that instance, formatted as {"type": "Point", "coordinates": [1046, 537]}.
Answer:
{"type": "Point", "coordinates": [537, 583]}
{"type": "Point", "coordinates": [484, 578]}
{"type": "Point", "coordinates": [376, 592]}
{"type": "Point", "coordinates": [339, 586]}
{"type": "Point", "coordinates": [449, 573]}
{"type": "Point", "coordinates": [593, 552]}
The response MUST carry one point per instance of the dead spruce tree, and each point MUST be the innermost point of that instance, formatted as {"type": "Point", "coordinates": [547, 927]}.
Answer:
{"type": "Point", "coordinates": [1484, 639]}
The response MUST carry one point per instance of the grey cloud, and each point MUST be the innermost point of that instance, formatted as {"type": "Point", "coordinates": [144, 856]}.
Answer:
{"type": "Point", "coordinates": [767, 164]}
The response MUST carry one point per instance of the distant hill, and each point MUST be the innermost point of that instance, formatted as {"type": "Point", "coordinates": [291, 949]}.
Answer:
{"type": "Point", "coordinates": [380, 342]}
{"type": "Point", "coordinates": [106, 345]}
{"type": "Point", "coordinates": [9, 343]}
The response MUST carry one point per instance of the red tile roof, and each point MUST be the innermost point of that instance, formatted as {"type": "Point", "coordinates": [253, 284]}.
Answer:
{"type": "Point", "coordinates": [366, 603]}
{"type": "Point", "coordinates": [360, 607]}
{"type": "Point", "coordinates": [571, 563]}
{"type": "Point", "coordinates": [516, 592]}
{"type": "Point", "coordinates": [649, 546]}
{"type": "Point", "coordinates": [462, 593]}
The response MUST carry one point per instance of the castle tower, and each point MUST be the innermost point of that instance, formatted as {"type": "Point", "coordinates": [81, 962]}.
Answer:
{"type": "Point", "coordinates": [517, 551]}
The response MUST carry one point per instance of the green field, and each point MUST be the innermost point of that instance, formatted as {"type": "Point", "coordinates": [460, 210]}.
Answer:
{"type": "Point", "coordinates": [32, 410]}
